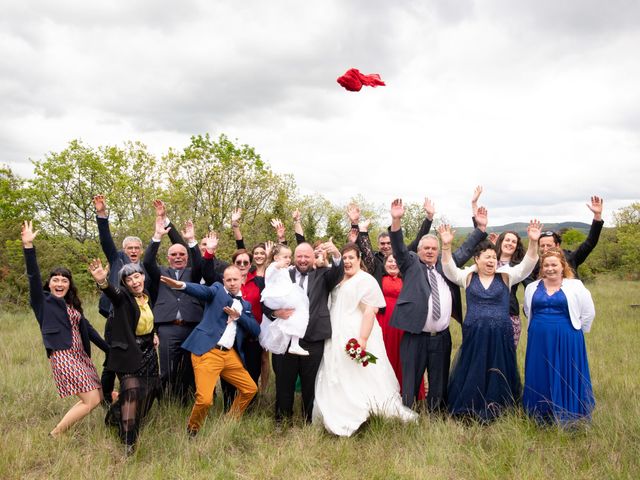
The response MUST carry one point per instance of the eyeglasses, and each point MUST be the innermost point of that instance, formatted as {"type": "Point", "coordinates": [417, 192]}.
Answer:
{"type": "Point", "coordinates": [242, 263]}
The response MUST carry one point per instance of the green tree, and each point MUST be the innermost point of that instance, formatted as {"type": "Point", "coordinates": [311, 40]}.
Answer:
{"type": "Point", "coordinates": [63, 187]}
{"type": "Point", "coordinates": [628, 223]}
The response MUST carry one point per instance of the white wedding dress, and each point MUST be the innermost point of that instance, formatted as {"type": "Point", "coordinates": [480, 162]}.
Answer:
{"type": "Point", "coordinates": [346, 393]}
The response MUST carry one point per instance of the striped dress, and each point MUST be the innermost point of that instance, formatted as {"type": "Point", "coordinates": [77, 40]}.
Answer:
{"type": "Point", "coordinates": [72, 369]}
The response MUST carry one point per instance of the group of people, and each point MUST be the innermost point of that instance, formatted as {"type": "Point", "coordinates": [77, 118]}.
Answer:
{"type": "Point", "coordinates": [211, 320]}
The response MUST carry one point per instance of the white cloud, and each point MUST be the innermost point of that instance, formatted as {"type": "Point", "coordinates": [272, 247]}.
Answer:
{"type": "Point", "coordinates": [535, 100]}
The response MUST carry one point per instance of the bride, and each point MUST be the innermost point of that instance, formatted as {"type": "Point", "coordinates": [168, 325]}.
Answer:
{"type": "Point", "coordinates": [346, 392]}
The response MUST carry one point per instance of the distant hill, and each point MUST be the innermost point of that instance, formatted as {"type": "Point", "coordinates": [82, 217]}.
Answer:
{"type": "Point", "coordinates": [521, 228]}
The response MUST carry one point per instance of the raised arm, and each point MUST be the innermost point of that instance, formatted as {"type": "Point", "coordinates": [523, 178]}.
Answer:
{"type": "Point", "coordinates": [36, 295]}
{"type": "Point", "coordinates": [429, 210]}
{"type": "Point", "coordinates": [449, 267]}
{"type": "Point", "coordinates": [465, 251]}
{"type": "Point", "coordinates": [236, 216]}
{"type": "Point", "coordinates": [278, 226]}
{"type": "Point", "coordinates": [400, 251]}
{"type": "Point", "coordinates": [519, 272]}
{"type": "Point", "coordinates": [104, 232]}
{"type": "Point", "coordinates": [100, 275]}
{"type": "Point", "coordinates": [582, 252]}
{"type": "Point", "coordinates": [209, 272]}
{"type": "Point", "coordinates": [297, 227]}
{"type": "Point", "coordinates": [150, 260]}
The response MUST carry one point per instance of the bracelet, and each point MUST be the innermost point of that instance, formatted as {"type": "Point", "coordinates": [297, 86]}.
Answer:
{"type": "Point", "coordinates": [103, 284]}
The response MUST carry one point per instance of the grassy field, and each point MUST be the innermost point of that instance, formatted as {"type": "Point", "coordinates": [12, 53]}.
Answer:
{"type": "Point", "coordinates": [512, 447]}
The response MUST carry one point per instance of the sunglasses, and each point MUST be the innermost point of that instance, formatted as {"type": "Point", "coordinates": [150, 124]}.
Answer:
{"type": "Point", "coordinates": [548, 233]}
{"type": "Point", "coordinates": [242, 263]}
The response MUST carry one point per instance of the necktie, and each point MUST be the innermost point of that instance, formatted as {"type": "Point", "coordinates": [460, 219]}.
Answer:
{"type": "Point", "coordinates": [435, 294]}
{"type": "Point", "coordinates": [302, 277]}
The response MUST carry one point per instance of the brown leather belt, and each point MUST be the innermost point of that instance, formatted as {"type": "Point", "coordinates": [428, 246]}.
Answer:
{"type": "Point", "coordinates": [220, 347]}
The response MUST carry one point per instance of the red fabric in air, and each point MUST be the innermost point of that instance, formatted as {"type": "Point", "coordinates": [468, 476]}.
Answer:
{"type": "Point", "coordinates": [353, 80]}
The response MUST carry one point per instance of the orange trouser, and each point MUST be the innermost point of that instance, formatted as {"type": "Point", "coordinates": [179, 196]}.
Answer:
{"type": "Point", "coordinates": [207, 368]}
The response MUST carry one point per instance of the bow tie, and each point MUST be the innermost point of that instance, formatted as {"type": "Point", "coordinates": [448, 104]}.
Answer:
{"type": "Point", "coordinates": [237, 297]}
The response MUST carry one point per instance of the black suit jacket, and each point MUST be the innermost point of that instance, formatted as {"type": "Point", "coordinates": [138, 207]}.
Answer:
{"type": "Point", "coordinates": [51, 314]}
{"type": "Point", "coordinates": [412, 307]}
{"type": "Point", "coordinates": [125, 355]}
{"type": "Point", "coordinates": [319, 285]}
{"type": "Point", "coordinates": [166, 301]}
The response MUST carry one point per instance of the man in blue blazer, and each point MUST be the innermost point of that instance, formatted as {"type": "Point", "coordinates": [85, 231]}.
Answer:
{"type": "Point", "coordinates": [216, 343]}
{"type": "Point", "coordinates": [425, 306]}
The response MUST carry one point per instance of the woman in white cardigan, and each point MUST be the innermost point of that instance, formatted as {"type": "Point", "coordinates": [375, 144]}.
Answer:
{"type": "Point", "coordinates": [557, 380]}
{"type": "Point", "coordinates": [484, 379]}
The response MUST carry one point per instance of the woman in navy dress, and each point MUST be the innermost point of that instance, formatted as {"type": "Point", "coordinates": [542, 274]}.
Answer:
{"type": "Point", "coordinates": [557, 381]}
{"type": "Point", "coordinates": [484, 378]}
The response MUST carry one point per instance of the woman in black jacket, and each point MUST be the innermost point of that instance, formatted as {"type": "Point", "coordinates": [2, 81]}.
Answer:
{"type": "Point", "coordinates": [66, 334]}
{"type": "Point", "coordinates": [133, 354]}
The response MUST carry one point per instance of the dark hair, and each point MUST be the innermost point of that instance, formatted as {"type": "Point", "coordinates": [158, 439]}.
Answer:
{"type": "Point", "coordinates": [352, 247]}
{"type": "Point", "coordinates": [384, 266]}
{"type": "Point", "coordinates": [483, 246]}
{"type": "Point", "coordinates": [242, 251]}
{"type": "Point", "coordinates": [128, 270]}
{"type": "Point", "coordinates": [71, 297]}
{"type": "Point", "coordinates": [518, 253]}
{"type": "Point", "coordinates": [557, 239]}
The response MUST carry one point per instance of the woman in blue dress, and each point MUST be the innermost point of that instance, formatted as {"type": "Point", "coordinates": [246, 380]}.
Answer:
{"type": "Point", "coordinates": [484, 378]}
{"type": "Point", "coordinates": [557, 386]}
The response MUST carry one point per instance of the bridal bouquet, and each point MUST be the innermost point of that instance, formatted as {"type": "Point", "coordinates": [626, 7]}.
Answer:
{"type": "Point", "coordinates": [358, 354]}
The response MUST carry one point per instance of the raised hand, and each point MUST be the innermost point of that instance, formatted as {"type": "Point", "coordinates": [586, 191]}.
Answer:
{"type": "Point", "coordinates": [534, 229]}
{"type": "Point", "coordinates": [236, 215]}
{"type": "Point", "coordinates": [160, 228]}
{"type": "Point", "coordinates": [28, 234]}
{"type": "Point", "coordinates": [429, 208]}
{"type": "Point", "coordinates": [161, 211]}
{"type": "Point", "coordinates": [596, 207]}
{"type": "Point", "coordinates": [482, 218]}
{"type": "Point", "coordinates": [211, 242]}
{"type": "Point", "coordinates": [493, 237]}
{"type": "Point", "coordinates": [97, 271]}
{"type": "Point", "coordinates": [446, 234]}
{"type": "Point", "coordinates": [279, 227]}
{"type": "Point", "coordinates": [353, 212]}
{"type": "Point", "coordinates": [330, 248]}
{"type": "Point", "coordinates": [363, 226]}
{"type": "Point", "coordinates": [189, 233]}
{"type": "Point", "coordinates": [352, 236]}
{"type": "Point", "coordinates": [296, 216]}
{"type": "Point", "coordinates": [172, 282]}
{"type": "Point", "coordinates": [474, 199]}
{"type": "Point", "coordinates": [268, 247]}
{"type": "Point", "coordinates": [397, 209]}
{"type": "Point", "coordinates": [100, 205]}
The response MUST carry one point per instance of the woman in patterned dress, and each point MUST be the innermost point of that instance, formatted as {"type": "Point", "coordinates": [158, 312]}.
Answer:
{"type": "Point", "coordinates": [66, 334]}
{"type": "Point", "coordinates": [133, 349]}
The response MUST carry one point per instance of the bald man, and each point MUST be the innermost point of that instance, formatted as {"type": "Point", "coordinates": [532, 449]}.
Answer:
{"type": "Point", "coordinates": [175, 313]}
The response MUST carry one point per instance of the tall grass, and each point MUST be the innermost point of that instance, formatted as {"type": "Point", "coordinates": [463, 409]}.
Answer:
{"type": "Point", "coordinates": [512, 447]}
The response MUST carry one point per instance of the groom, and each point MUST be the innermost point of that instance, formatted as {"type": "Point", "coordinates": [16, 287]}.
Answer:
{"type": "Point", "coordinates": [317, 284]}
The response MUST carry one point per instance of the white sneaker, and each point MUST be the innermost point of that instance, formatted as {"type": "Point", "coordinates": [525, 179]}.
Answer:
{"type": "Point", "coordinates": [298, 350]}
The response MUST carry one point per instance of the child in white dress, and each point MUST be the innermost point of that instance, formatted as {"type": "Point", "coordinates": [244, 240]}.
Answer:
{"type": "Point", "coordinates": [281, 293]}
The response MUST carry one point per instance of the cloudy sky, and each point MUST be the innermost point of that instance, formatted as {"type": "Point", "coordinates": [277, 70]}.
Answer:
{"type": "Point", "coordinates": [537, 100]}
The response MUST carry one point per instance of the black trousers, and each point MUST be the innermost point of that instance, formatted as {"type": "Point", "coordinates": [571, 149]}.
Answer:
{"type": "Point", "coordinates": [252, 362]}
{"type": "Point", "coordinates": [176, 371]}
{"type": "Point", "coordinates": [420, 352]}
{"type": "Point", "coordinates": [287, 368]}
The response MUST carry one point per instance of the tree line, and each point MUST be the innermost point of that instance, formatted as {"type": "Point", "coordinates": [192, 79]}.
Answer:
{"type": "Point", "coordinates": [204, 182]}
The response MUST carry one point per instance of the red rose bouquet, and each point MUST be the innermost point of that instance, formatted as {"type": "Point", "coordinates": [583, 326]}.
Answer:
{"type": "Point", "coordinates": [359, 354]}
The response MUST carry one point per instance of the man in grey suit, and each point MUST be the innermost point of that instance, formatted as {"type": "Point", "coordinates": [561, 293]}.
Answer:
{"type": "Point", "coordinates": [425, 306]}
{"type": "Point", "coordinates": [175, 313]}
